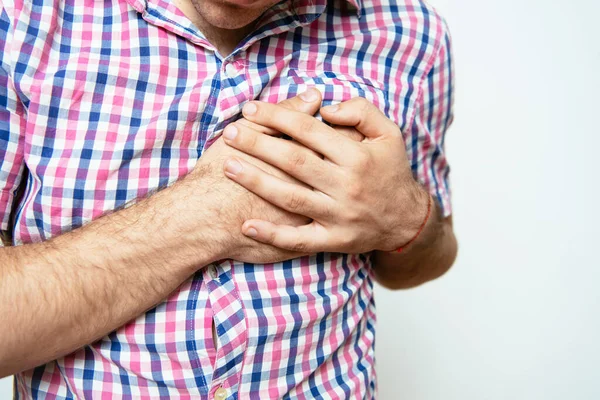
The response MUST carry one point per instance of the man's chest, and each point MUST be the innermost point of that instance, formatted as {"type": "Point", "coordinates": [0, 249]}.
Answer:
{"type": "Point", "coordinates": [120, 108]}
{"type": "Point", "coordinates": [155, 83]}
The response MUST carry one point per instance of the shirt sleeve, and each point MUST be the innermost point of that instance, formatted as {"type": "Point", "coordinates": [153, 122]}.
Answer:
{"type": "Point", "coordinates": [12, 127]}
{"type": "Point", "coordinates": [433, 116]}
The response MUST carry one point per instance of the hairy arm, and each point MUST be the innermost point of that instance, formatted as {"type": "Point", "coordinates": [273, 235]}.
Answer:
{"type": "Point", "coordinates": [427, 258]}
{"type": "Point", "coordinates": [69, 291]}
{"type": "Point", "coordinates": [434, 251]}
{"type": "Point", "coordinates": [66, 292]}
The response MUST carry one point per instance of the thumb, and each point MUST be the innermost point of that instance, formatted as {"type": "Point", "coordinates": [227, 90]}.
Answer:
{"type": "Point", "coordinates": [308, 102]}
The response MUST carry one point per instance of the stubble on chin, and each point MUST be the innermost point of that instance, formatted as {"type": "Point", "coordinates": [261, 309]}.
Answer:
{"type": "Point", "coordinates": [222, 15]}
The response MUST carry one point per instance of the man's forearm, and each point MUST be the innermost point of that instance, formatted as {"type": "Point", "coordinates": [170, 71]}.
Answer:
{"type": "Point", "coordinates": [71, 290]}
{"type": "Point", "coordinates": [67, 292]}
{"type": "Point", "coordinates": [428, 258]}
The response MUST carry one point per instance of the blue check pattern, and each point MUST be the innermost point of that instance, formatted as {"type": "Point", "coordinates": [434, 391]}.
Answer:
{"type": "Point", "coordinates": [103, 102]}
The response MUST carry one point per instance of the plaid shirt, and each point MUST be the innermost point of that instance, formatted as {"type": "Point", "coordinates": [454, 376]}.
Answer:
{"type": "Point", "coordinates": [102, 102]}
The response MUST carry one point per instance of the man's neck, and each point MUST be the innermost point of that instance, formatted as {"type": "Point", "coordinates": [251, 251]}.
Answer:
{"type": "Point", "coordinates": [224, 40]}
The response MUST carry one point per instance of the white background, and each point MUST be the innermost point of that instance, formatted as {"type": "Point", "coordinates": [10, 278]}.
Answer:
{"type": "Point", "coordinates": [518, 317]}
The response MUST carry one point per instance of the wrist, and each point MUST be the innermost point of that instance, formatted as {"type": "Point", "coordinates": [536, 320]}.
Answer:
{"type": "Point", "coordinates": [193, 228]}
{"type": "Point", "coordinates": [413, 217]}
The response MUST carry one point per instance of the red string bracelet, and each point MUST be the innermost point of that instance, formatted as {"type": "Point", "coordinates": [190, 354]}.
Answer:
{"type": "Point", "coordinates": [401, 249]}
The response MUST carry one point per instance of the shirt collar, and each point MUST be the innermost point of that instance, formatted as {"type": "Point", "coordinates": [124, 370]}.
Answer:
{"type": "Point", "coordinates": [297, 12]}
{"type": "Point", "coordinates": [299, 5]}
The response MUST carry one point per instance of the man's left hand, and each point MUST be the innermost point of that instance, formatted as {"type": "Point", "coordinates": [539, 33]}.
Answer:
{"type": "Point", "coordinates": [364, 196]}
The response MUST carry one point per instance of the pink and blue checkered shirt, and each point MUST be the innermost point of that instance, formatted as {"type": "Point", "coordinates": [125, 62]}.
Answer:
{"type": "Point", "coordinates": [102, 102]}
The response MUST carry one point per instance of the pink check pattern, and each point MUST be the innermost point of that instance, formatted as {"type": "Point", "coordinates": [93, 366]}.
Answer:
{"type": "Point", "coordinates": [102, 102]}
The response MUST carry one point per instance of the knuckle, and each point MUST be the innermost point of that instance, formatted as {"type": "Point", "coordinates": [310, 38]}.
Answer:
{"type": "Point", "coordinates": [300, 246]}
{"type": "Point", "coordinates": [362, 101]}
{"type": "Point", "coordinates": [354, 190]}
{"type": "Point", "coordinates": [346, 241]}
{"type": "Point", "coordinates": [353, 218]}
{"type": "Point", "coordinates": [251, 178]}
{"type": "Point", "coordinates": [271, 237]}
{"type": "Point", "coordinates": [291, 104]}
{"type": "Point", "coordinates": [306, 124]}
{"type": "Point", "coordinates": [328, 213]}
{"type": "Point", "coordinates": [362, 159]}
{"type": "Point", "coordinates": [251, 142]}
{"type": "Point", "coordinates": [366, 107]}
{"type": "Point", "coordinates": [295, 202]}
{"type": "Point", "coordinates": [296, 160]}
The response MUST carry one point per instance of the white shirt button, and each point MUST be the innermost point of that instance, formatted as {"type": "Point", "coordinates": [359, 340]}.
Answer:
{"type": "Point", "coordinates": [220, 394]}
{"type": "Point", "coordinates": [230, 70]}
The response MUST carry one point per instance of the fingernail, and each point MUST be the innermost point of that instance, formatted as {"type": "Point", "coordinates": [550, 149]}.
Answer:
{"type": "Point", "coordinates": [332, 108]}
{"type": "Point", "coordinates": [233, 167]}
{"type": "Point", "coordinates": [251, 232]}
{"type": "Point", "coordinates": [309, 96]}
{"type": "Point", "coordinates": [230, 132]}
{"type": "Point", "coordinates": [249, 109]}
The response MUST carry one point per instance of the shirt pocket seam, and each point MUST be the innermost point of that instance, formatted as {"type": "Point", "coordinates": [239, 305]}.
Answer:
{"type": "Point", "coordinates": [329, 77]}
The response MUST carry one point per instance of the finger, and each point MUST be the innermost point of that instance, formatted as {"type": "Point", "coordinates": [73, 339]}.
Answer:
{"type": "Point", "coordinates": [304, 128]}
{"type": "Point", "coordinates": [288, 196]}
{"type": "Point", "coordinates": [349, 132]}
{"type": "Point", "coordinates": [298, 145]}
{"type": "Point", "coordinates": [363, 115]}
{"type": "Point", "coordinates": [259, 128]}
{"type": "Point", "coordinates": [311, 238]}
{"type": "Point", "coordinates": [274, 133]}
{"type": "Point", "coordinates": [308, 103]}
{"type": "Point", "coordinates": [296, 160]}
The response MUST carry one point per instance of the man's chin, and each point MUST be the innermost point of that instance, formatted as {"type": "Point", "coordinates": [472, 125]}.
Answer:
{"type": "Point", "coordinates": [231, 17]}
{"type": "Point", "coordinates": [241, 4]}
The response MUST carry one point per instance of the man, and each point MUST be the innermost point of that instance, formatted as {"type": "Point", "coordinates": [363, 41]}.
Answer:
{"type": "Point", "coordinates": [121, 290]}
